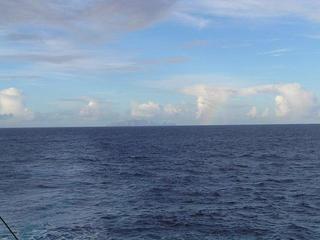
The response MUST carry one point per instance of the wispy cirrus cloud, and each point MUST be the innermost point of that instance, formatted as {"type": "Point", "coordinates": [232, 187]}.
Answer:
{"type": "Point", "coordinates": [18, 77]}
{"type": "Point", "coordinates": [54, 33]}
{"type": "Point", "coordinates": [277, 52]}
{"type": "Point", "coordinates": [313, 36]}
{"type": "Point", "coordinates": [250, 9]}
{"type": "Point", "coordinates": [85, 61]}
{"type": "Point", "coordinates": [62, 36]}
{"type": "Point", "coordinates": [91, 20]}
{"type": "Point", "coordinates": [97, 19]}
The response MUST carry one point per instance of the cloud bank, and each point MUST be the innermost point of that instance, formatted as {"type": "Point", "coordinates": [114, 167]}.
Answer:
{"type": "Point", "coordinates": [151, 109]}
{"type": "Point", "coordinates": [291, 101]}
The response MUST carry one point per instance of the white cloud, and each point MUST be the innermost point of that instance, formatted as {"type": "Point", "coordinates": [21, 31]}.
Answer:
{"type": "Point", "coordinates": [282, 108]}
{"type": "Point", "coordinates": [209, 99]}
{"type": "Point", "coordinates": [145, 110]}
{"type": "Point", "coordinates": [291, 100]}
{"type": "Point", "coordinates": [252, 112]}
{"type": "Point", "coordinates": [192, 20]}
{"type": "Point", "coordinates": [160, 113]}
{"type": "Point", "coordinates": [294, 100]}
{"type": "Point", "coordinates": [11, 104]}
{"type": "Point", "coordinates": [92, 109]}
{"type": "Point", "coordinates": [277, 52]}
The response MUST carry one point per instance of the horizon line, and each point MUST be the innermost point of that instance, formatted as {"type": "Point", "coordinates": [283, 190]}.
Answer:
{"type": "Point", "coordinates": [146, 126]}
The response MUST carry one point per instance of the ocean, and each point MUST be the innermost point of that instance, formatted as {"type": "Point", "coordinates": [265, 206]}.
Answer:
{"type": "Point", "coordinates": [129, 183]}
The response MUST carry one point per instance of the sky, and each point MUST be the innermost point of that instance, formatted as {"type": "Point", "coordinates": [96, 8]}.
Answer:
{"type": "Point", "coordinates": [159, 62]}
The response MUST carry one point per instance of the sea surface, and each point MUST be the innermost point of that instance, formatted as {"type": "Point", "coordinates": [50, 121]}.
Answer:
{"type": "Point", "coordinates": [212, 182]}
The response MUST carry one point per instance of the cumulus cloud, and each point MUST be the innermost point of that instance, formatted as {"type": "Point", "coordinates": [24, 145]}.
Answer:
{"type": "Point", "coordinates": [291, 101]}
{"type": "Point", "coordinates": [92, 109]}
{"type": "Point", "coordinates": [209, 99]}
{"type": "Point", "coordinates": [145, 110]}
{"type": "Point", "coordinates": [12, 105]}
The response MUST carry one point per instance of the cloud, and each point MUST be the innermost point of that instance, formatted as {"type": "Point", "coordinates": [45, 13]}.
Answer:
{"type": "Point", "coordinates": [145, 110]}
{"type": "Point", "coordinates": [18, 77]}
{"type": "Point", "coordinates": [195, 44]}
{"type": "Point", "coordinates": [282, 106]}
{"type": "Point", "coordinates": [12, 106]}
{"type": "Point", "coordinates": [77, 111]}
{"type": "Point", "coordinates": [209, 99]}
{"type": "Point", "coordinates": [192, 20]}
{"type": "Point", "coordinates": [101, 18]}
{"type": "Point", "coordinates": [294, 100]}
{"type": "Point", "coordinates": [291, 101]}
{"type": "Point", "coordinates": [252, 112]}
{"type": "Point", "coordinates": [18, 37]}
{"type": "Point", "coordinates": [167, 113]}
{"type": "Point", "coordinates": [265, 113]}
{"type": "Point", "coordinates": [308, 9]}
{"type": "Point", "coordinates": [40, 57]}
{"type": "Point", "coordinates": [85, 61]}
{"type": "Point", "coordinates": [91, 18]}
{"type": "Point", "coordinates": [64, 36]}
{"type": "Point", "coordinates": [172, 110]}
{"type": "Point", "coordinates": [165, 60]}
{"type": "Point", "coordinates": [277, 52]}
{"type": "Point", "coordinates": [92, 109]}
{"type": "Point", "coordinates": [313, 36]}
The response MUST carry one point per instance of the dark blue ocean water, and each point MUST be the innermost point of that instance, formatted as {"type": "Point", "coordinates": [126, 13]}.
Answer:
{"type": "Point", "coordinates": [230, 182]}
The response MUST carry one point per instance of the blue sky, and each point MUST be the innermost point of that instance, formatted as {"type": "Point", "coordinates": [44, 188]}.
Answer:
{"type": "Point", "coordinates": [158, 62]}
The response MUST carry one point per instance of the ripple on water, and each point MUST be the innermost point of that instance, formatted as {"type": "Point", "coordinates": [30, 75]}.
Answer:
{"type": "Point", "coordinates": [231, 182]}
